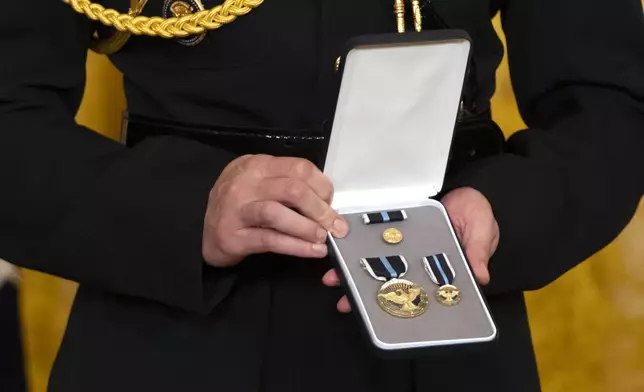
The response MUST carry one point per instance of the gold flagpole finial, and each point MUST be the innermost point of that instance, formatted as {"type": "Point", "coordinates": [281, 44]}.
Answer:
{"type": "Point", "coordinates": [399, 10]}
{"type": "Point", "coordinates": [418, 22]}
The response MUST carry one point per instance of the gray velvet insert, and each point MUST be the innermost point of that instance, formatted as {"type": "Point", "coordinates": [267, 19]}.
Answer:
{"type": "Point", "coordinates": [425, 232]}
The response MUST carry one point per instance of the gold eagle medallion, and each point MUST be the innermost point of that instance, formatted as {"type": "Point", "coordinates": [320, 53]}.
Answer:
{"type": "Point", "coordinates": [448, 295]}
{"type": "Point", "coordinates": [402, 298]}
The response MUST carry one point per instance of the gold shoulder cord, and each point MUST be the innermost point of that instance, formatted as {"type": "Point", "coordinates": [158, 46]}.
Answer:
{"type": "Point", "coordinates": [186, 25]}
{"type": "Point", "coordinates": [133, 23]}
{"type": "Point", "coordinates": [114, 43]}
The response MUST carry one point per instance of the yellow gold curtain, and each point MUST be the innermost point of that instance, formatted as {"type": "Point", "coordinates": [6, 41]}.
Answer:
{"type": "Point", "coordinates": [587, 326]}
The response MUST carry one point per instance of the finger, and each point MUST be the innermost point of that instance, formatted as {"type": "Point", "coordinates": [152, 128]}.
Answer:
{"type": "Point", "coordinates": [303, 170]}
{"type": "Point", "coordinates": [273, 215]}
{"type": "Point", "coordinates": [299, 195]}
{"type": "Point", "coordinates": [477, 249]}
{"type": "Point", "coordinates": [331, 278]}
{"type": "Point", "coordinates": [257, 240]}
{"type": "Point", "coordinates": [343, 305]}
{"type": "Point", "coordinates": [480, 271]}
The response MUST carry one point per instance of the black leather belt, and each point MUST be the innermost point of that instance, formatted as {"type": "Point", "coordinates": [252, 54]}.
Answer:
{"type": "Point", "coordinates": [475, 137]}
{"type": "Point", "coordinates": [238, 140]}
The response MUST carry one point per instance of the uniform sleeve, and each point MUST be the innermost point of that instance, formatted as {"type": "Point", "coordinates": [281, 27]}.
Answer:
{"type": "Point", "coordinates": [568, 184]}
{"type": "Point", "coordinates": [80, 206]}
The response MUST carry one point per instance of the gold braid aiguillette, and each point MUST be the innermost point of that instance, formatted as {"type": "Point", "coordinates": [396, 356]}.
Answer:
{"type": "Point", "coordinates": [115, 42]}
{"type": "Point", "coordinates": [175, 27]}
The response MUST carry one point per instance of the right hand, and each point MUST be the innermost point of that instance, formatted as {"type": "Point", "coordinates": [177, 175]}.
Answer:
{"type": "Point", "coordinates": [252, 209]}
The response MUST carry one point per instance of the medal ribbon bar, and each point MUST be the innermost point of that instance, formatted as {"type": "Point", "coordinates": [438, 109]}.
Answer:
{"type": "Point", "coordinates": [384, 217]}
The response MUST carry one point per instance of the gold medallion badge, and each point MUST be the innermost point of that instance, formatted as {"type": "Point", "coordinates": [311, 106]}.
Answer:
{"type": "Point", "coordinates": [448, 295]}
{"type": "Point", "coordinates": [392, 236]}
{"type": "Point", "coordinates": [180, 9]}
{"type": "Point", "coordinates": [402, 298]}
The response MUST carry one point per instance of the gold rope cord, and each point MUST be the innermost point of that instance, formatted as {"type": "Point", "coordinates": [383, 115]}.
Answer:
{"type": "Point", "coordinates": [118, 40]}
{"type": "Point", "coordinates": [184, 26]}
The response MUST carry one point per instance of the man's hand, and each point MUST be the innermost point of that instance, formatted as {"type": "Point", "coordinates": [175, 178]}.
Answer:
{"type": "Point", "coordinates": [473, 220]}
{"type": "Point", "coordinates": [472, 217]}
{"type": "Point", "coordinates": [252, 209]}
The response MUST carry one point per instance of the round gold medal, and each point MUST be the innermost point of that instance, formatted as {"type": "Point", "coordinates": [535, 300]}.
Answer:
{"type": "Point", "coordinates": [392, 236]}
{"type": "Point", "coordinates": [402, 298]}
{"type": "Point", "coordinates": [180, 9]}
{"type": "Point", "coordinates": [448, 295]}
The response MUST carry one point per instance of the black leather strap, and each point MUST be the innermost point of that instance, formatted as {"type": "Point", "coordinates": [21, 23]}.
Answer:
{"type": "Point", "coordinates": [474, 138]}
{"type": "Point", "coordinates": [235, 139]}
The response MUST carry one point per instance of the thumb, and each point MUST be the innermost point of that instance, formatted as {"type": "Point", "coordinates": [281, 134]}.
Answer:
{"type": "Point", "coordinates": [476, 242]}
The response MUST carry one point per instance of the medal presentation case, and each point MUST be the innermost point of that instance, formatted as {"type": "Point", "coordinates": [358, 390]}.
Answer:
{"type": "Point", "coordinates": [403, 269]}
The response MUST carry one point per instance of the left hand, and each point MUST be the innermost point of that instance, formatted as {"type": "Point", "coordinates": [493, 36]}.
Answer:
{"type": "Point", "coordinates": [473, 220]}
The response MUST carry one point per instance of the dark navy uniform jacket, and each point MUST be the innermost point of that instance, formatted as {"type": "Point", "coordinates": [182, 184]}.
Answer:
{"type": "Point", "coordinates": [12, 374]}
{"type": "Point", "coordinates": [126, 222]}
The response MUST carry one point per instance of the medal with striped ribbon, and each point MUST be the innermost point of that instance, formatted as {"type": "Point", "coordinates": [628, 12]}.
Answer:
{"type": "Point", "coordinates": [440, 271]}
{"type": "Point", "coordinates": [398, 297]}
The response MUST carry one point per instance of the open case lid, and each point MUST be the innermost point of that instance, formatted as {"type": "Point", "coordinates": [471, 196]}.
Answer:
{"type": "Point", "coordinates": [395, 116]}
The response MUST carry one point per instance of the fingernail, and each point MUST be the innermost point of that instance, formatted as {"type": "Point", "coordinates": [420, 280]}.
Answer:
{"type": "Point", "coordinates": [341, 228]}
{"type": "Point", "coordinates": [319, 248]}
{"type": "Point", "coordinates": [321, 234]}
